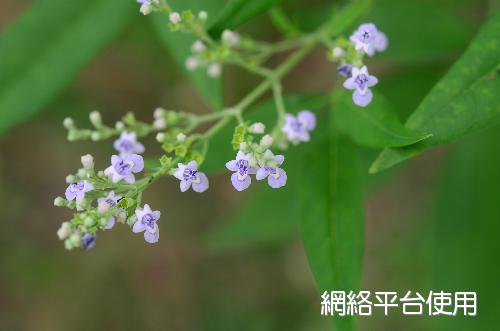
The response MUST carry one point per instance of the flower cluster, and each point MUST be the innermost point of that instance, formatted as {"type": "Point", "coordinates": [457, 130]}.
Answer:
{"type": "Point", "coordinates": [367, 39]}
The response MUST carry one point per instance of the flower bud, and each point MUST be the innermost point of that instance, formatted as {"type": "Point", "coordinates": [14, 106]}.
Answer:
{"type": "Point", "coordinates": [59, 202]}
{"type": "Point", "coordinates": [95, 136]}
{"type": "Point", "coordinates": [68, 123]}
{"type": "Point", "coordinates": [266, 141]}
{"type": "Point", "coordinates": [88, 222]}
{"type": "Point", "coordinates": [181, 137]}
{"type": "Point", "coordinates": [160, 137]}
{"type": "Point", "coordinates": [257, 128]}
{"type": "Point", "coordinates": [82, 173]}
{"type": "Point", "coordinates": [64, 231]}
{"type": "Point", "coordinates": [192, 63]}
{"type": "Point", "coordinates": [338, 52]}
{"type": "Point", "coordinates": [119, 125]}
{"type": "Point", "coordinates": [198, 47]}
{"type": "Point", "coordinates": [160, 124]}
{"type": "Point", "coordinates": [159, 113]}
{"type": "Point", "coordinates": [74, 240]}
{"type": "Point", "coordinates": [121, 216]}
{"type": "Point", "coordinates": [203, 15]}
{"type": "Point", "coordinates": [214, 70]}
{"type": "Point", "coordinates": [174, 18]}
{"type": "Point", "coordinates": [231, 38]}
{"type": "Point", "coordinates": [243, 146]}
{"type": "Point", "coordinates": [87, 161]}
{"type": "Point", "coordinates": [71, 179]}
{"type": "Point", "coordinates": [95, 118]}
{"type": "Point", "coordinates": [103, 207]}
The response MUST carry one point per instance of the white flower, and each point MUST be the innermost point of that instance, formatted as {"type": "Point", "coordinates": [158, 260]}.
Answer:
{"type": "Point", "coordinates": [175, 18]}
{"type": "Point", "coordinates": [159, 112]}
{"type": "Point", "coordinates": [192, 63]}
{"type": "Point", "coordinates": [181, 137]}
{"type": "Point", "coordinates": [257, 128]}
{"type": "Point", "coordinates": [338, 52]}
{"type": "Point", "coordinates": [160, 124]}
{"type": "Point", "coordinates": [203, 15]}
{"type": "Point", "coordinates": [214, 70]}
{"type": "Point", "coordinates": [87, 161]}
{"type": "Point", "coordinates": [160, 137]}
{"type": "Point", "coordinates": [266, 141]}
{"type": "Point", "coordinates": [231, 38]}
{"type": "Point", "coordinates": [198, 47]}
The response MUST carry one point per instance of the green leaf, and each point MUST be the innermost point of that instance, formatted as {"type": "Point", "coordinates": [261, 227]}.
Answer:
{"type": "Point", "coordinates": [179, 46]}
{"type": "Point", "coordinates": [237, 12]}
{"type": "Point", "coordinates": [376, 125]}
{"type": "Point", "coordinates": [464, 101]}
{"type": "Point", "coordinates": [332, 218]}
{"type": "Point", "coordinates": [42, 52]}
{"type": "Point", "coordinates": [464, 227]}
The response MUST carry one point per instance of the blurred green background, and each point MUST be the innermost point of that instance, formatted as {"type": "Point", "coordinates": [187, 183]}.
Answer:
{"type": "Point", "coordinates": [236, 261]}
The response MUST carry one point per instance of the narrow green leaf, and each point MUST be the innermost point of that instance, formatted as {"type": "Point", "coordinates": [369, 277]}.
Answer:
{"type": "Point", "coordinates": [237, 12]}
{"type": "Point", "coordinates": [464, 101]}
{"type": "Point", "coordinates": [332, 218]}
{"type": "Point", "coordinates": [46, 48]}
{"type": "Point", "coordinates": [376, 125]}
{"type": "Point", "coordinates": [179, 46]}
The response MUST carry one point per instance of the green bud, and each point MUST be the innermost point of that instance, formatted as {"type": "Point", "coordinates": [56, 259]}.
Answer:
{"type": "Point", "coordinates": [88, 222]}
{"type": "Point", "coordinates": [168, 147]}
{"type": "Point", "coordinates": [71, 179]}
{"type": "Point", "coordinates": [187, 16]}
{"type": "Point", "coordinates": [165, 161]}
{"type": "Point", "coordinates": [180, 150]}
{"type": "Point", "coordinates": [59, 202]}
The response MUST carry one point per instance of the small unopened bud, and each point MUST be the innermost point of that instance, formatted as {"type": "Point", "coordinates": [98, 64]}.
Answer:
{"type": "Point", "coordinates": [87, 161]}
{"type": "Point", "coordinates": [160, 124]}
{"type": "Point", "coordinates": [74, 240]}
{"type": "Point", "coordinates": [95, 136]}
{"type": "Point", "coordinates": [198, 47]}
{"type": "Point", "coordinates": [257, 128]}
{"type": "Point", "coordinates": [214, 70]}
{"type": "Point", "coordinates": [64, 231]}
{"type": "Point", "coordinates": [70, 179]}
{"type": "Point", "coordinates": [192, 63]}
{"type": "Point", "coordinates": [103, 207]}
{"type": "Point", "coordinates": [119, 125]}
{"type": "Point", "coordinates": [231, 38]}
{"type": "Point", "coordinates": [266, 141]}
{"type": "Point", "coordinates": [175, 18]}
{"type": "Point", "coordinates": [338, 52]}
{"type": "Point", "coordinates": [88, 222]}
{"type": "Point", "coordinates": [160, 137]}
{"type": "Point", "coordinates": [82, 173]}
{"type": "Point", "coordinates": [59, 202]}
{"type": "Point", "coordinates": [181, 137]}
{"type": "Point", "coordinates": [95, 118]}
{"type": "Point", "coordinates": [68, 123]}
{"type": "Point", "coordinates": [146, 9]}
{"type": "Point", "coordinates": [159, 112]}
{"type": "Point", "coordinates": [243, 146]}
{"type": "Point", "coordinates": [203, 15]}
{"type": "Point", "coordinates": [121, 216]}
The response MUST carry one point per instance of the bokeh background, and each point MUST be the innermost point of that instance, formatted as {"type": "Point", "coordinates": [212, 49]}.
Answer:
{"type": "Point", "coordinates": [230, 261]}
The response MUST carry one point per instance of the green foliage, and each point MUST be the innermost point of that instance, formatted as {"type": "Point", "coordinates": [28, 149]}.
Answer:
{"type": "Point", "coordinates": [237, 12]}
{"type": "Point", "coordinates": [376, 125]}
{"type": "Point", "coordinates": [46, 48]}
{"type": "Point", "coordinates": [464, 227]}
{"type": "Point", "coordinates": [464, 101]}
{"type": "Point", "coordinates": [332, 217]}
{"type": "Point", "coordinates": [179, 46]}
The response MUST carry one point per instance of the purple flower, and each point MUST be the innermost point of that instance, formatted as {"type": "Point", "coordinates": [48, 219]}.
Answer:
{"type": "Point", "coordinates": [276, 177]}
{"type": "Point", "coordinates": [345, 70]}
{"type": "Point", "coordinates": [360, 83]}
{"type": "Point", "coordinates": [77, 190]}
{"type": "Point", "coordinates": [128, 144]}
{"type": "Point", "coordinates": [368, 39]}
{"type": "Point", "coordinates": [297, 128]}
{"type": "Point", "coordinates": [146, 221]}
{"type": "Point", "coordinates": [189, 175]}
{"type": "Point", "coordinates": [111, 200]}
{"type": "Point", "coordinates": [123, 167]}
{"type": "Point", "coordinates": [241, 178]}
{"type": "Point", "coordinates": [88, 241]}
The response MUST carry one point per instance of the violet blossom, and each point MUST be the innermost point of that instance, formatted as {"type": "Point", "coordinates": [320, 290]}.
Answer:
{"type": "Point", "coordinates": [297, 128]}
{"type": "Point", "coordinates": [110, 202]}
{"type": "Point", "coordinates": [124, 167]}
{"type": "Point", "coordinates": [360, 83]}
{"type": "Point", "coordinates": [368, 39]}
{"type": "Point", "coordinates": [76, 191]}
{"type": "Point", "coordinates": [128, 144]}
{"type": "Point", "coordinates": [190, 176]}
{"type": "Point", "coordinates": [242, 170]}
{"type": "Point", "coordinates": [276, 177]}
{"type": "Point", "coordinates": [146, 221]}
{"type": "Point", "coordinates": [88, 241]}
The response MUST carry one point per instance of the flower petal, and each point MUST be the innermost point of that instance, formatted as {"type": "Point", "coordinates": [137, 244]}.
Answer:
{"type": "Point", "coordinates": [240, 185]}
{"type": "Point", "coordinates": [261, 173]}
{"type": "Point", "coordinates": [231, 165]}
{"type": "Point", "coordinates": [202, 186]}
{"type": "Point", "coordinates": [308, 119]}
{"type": "Point", "coordinates": [152, 238]}
{"type": "Point", "coordinates": [362, 100]}
{"type": "Point", "coordinates": [277, 182]}
{"type": "Point", "coordinates": [349, 83]}
{"type": "Point", "coordinates": [138, 226]}
{"type": "Point", "coordinates": [185, 185]}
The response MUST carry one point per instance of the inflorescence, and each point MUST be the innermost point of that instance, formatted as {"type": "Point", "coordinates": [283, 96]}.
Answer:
{"type": "Point", "coordinates": [102, 198]}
